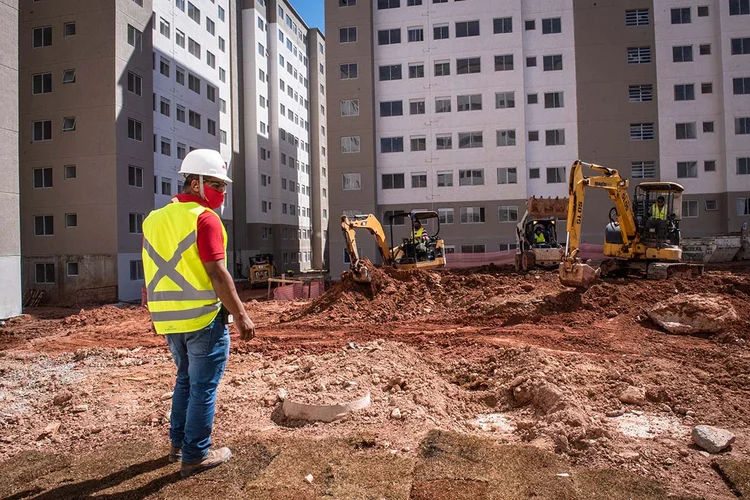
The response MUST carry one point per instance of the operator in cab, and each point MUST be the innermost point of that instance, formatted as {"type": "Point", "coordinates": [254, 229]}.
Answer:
{"type": "Point", "coordinates": [418, 232]}
{"type": "Point", "coordinates": [539, 236]}
{"type": "Point", "coordinates": [659, 209]}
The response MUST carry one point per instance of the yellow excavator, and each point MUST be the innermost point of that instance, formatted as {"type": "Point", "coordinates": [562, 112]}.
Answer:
{"type": "Point", "coordinates": [419, 251]}
{"type": "Point", "coordinates": [643, 238]}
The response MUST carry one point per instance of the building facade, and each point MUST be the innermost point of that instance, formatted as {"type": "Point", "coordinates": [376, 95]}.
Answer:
{"type": "Point", "coordinates": [470, 107]}
{"type": "Point", "coordinates": [10, 246]}
{"type": "Point", "coordinates": [113, 95]}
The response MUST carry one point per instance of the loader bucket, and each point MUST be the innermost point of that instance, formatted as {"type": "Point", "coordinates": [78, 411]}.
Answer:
{"type": "Point", "coordinates": [361, 274]}
{"type": "Point", "coordinates": [547, 207]}
{"type": "Point", "coordinates": [577, 274]}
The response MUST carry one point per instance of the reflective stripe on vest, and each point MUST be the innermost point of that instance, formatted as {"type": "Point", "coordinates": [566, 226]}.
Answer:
{"type": "Point", "coordinates": [181, 297]}
{"type": "Point", "coordinates": [657, 213]}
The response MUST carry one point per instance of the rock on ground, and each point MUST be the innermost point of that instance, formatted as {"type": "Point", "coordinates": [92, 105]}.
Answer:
{"type": "Point", "coordinates": [694, 313]}
{"type": "Point", "coordinates": [712, 439]}
{"type": "Point", "coordinates": [633, 395]}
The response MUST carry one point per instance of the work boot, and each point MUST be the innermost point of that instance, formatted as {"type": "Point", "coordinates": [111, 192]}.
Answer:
{"type": "Point", "coordinates": [214, 458]}
{"type": "Point", "coordinates": [175, 454]}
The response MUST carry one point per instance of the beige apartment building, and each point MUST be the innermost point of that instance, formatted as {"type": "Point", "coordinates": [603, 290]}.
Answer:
{"type": "Point", "coordinates": [470, 107]}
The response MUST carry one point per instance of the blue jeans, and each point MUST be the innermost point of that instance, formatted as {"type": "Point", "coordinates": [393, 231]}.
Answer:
{"type": "Point", "coordinates": [201, 358]}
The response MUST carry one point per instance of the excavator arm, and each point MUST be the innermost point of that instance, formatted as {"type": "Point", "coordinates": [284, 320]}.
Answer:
{"type": "Point", "coordinates": [573, 272]}
{"type": "Point", "coordinates": [373, 226]}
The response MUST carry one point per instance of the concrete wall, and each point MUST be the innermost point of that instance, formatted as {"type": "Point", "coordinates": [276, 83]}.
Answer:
{"type": "Point", "coordinates": [10, 243]}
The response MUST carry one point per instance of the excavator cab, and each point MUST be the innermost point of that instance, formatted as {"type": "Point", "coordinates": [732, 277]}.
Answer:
{"type": "Point", "coordinates": [423, 244]}
{"type": "Point", "coordinates": [659, 225]}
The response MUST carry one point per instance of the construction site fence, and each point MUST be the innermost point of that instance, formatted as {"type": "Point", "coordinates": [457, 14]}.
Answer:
{"type": "Point", "coordinates": [298, 291]}
{"type": "Point", "coordinates": [466, 260]}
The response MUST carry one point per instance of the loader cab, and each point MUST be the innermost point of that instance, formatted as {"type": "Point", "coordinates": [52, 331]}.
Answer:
{"type": "Point", "coordinates": [261, 269]}
{"type": "Point", "coordinates": [659, 230]}
{"type": "Point", "coordinates": [549, 229]}
{"type": "Point", "coordinates": [417, 246]}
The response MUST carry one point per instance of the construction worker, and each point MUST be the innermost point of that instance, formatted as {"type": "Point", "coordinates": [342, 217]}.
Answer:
{"type": "Point", "coordinates": [190, 297]}
{"type": "Point", "coordinates": [659, 209]}
{"type": "Point", "coordinates": [418, 232]}
{"type": "Point", "coordinates": [539, 237]}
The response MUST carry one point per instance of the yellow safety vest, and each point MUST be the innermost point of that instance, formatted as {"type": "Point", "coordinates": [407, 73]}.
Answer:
{"type": "Point", "coordinates": [417, 234]}
{"type": "Point", "coordinates": [657, 213]}
{"type": "Point", "coordinates": [181, 298]}
{"type": "Point", "coordinates": [540, 238]}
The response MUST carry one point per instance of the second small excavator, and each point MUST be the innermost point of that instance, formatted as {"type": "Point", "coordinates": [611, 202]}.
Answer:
{"type": "Point", "coordinates": [419, 251]}
{"type": "Point", "coordinates": [643, 238]}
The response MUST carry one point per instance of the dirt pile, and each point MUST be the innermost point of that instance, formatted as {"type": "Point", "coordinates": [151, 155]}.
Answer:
{"type": "Point", "coordinates": [694, 313]}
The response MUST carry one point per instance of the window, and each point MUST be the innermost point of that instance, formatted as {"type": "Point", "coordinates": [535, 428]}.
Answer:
{"type": "Point", "coordinates": [469, 102]}
{"type": "Point", "coordinates": [531, 62]}
{"type": "Point", "coordinates": [636, 17]}
{"type": "Point", "coordinates": [194, 48]}
{"type": "Point", "coordinates": [553, 100]}
{"type": "Point", "coordinates": [392, 181]}
{"type": "Point", "coordinates": [222, 44]}
{"type": "Point", "coordinates": [164, 67]}
{"type": "Point", "coordinates": [507, 175]}
{"type": "Point", "coordinates": [685, 130]}
{"type": "Point", "coordinates": [348, 34]}
{"type": "Point", "coordinates": [703, 11]}
{"type": "Point", "coordinates": [506, 138]}
{"type": "Point", "coordinates": [684, 92]}
{"type": "Point", "coordinates": [194, 13]}
{"type": "Point", "coordinates": [689, 209]}
{"type": "Point", "coordinates": [472, 248]}
{"type": "Point", "coordinates": [530, 25]}
{"type": "Point", "coordinates": [180, 113]}
{"type": "Point", "coordinates": [347, 3]}
{"type": "Point", "coordinates": [504, 62]}
{"type": "Point", "coordinates": [166, 186]}
{"type": "Point", "coordinates": [440, 32]}
{"type": "Point", "coordinates": [44, 273]}
{"type": "Point", "coordinates": [135, 83]}
{"type": "Point", "coordinates": [507, 213]}
{"type": "Point", "coordinates": [681, 16]}
{"type": "Point", "coordinates": [556, 175]}
{"type": "Point", "coordinates": [179, 37]}
{"type": "Point", "coordinates": [442, 68]}
{"type": "Point", "coordinates": [351, 182]}
{"type": "Point", "coordinates": [641, 131]}
{"type": "Point", "coordinates": [445, 179]}
{"type": "Point", "coordinates": [472, 215]}
{"type": "Point", "coordinates": [445, 215]}
{"type": "Point", "coordinates": [704, 49]}
{"type": "Point", "coordinates": [502, 25]}
{"type": "Point", "coordinates": [468, 140]}
{"type": "Point", "coordinates": [709, 166]}
{"type": "Point", "coordinates": [180, 4]}
{"type": "Point", "coordinates": [639, 55]}
{"type": "Point", "coordinates": [44, 225]}
{"type": "Point", "coordinates": [418, 143]}
{"type": "Point", "coordinates": [471, 177]}
{"type": "Point", "coordinates": [534, 173]}
{"type": "Point", "coordinates": [135, 176]}
{"type": "Point", "coordinates": [211, 95]}
{"type": "Point", "coordinates": [743, 166]}
{"type": "Point", "coordinates": [389, 37]}
{"type": "Point", "coordinates": [350, 144]}
{"type": "Point", "coordinates": [180, 76]}
{"type": "Point", "coordinates": [742, 126]}
{"type": "Point", "coordinates": [643, 169]}
{"type": "Point", "coordinates": [641, 93]}
{"type": "Point", "coordinates": [388, 4]}
{"type": "Point", "coordinates": [69, 172]}
{"type": "Point", "coordinates": [69, 29]}
{"type": "Point", "coordinates": [397, 221]}
{"type": "Point", "coordinates": [687, 169]}
{"type": "Point", "coordinates": [682, 53]}
{"type": "Point", "coordinates": [468, 66]}
{"type": "Point", "coordinates": [708, 127]}
{"type": "Point", "coordinates": [72, 268]}
{"type": "Point", "coordinates": [211, 127]}
{"type": "Point", "coordinates": [164, 27]}
{"type": "Point", "coordinates": [711, 205]}
{"type": "Point", "coordinates": [210, 26]}
{"type": "Point", "coordinates": [532, 99]}
{"type": "Point", "coordinates": [442, 105]}
{"type": "Point", "coordinates": [553, 63]}
{"type": "Point", "coordinates": [419, 180]}
{"type": "Point", "coordinates": [194, 119]}
{"type": "Point", "coordinates": [554, 137]}
{"type": "Point", "coordinates": [166, 146]}
{"type": "Point", "coordinates": [221, 14]}
{"type": "Point", "coordinates": [444, 141]}
{"type": "Point", "coordinates": [416, 71]}
{"type": "Point", "coordinates": [412, 3]}
{"type": "Point", "coordinates": [194, 83]}
{"type": "Point", "coordinates": [388, 73]}
{"type": "Point", "coordinates": [739, 7]}
{"type": "Point", "coordinates": [135, 37]}
{"type": "Point", "coordinates": [743, 206]}
{"type": "Point", "coordinates": [348, 71]}
{"type": "Point", "coordinates": [740, 46]}
{"type": "Point", "coordinates": [42, 177]}
{"type": "Point", "coordinates": [467, 28]}
{"type": "Point", "coordinates": [43, 36]}
{"type": "Point", "coordinates": [415, 34]}
{"type": "Point", "coordinates": [222, 137]}
{"type": "Point", "coordinates": [42, 83]}
{"type": "Point", "coordinates": [136, 270]}
{"type": "Point", "coordinates": [551, 26]}
{"type": "Point", "coordinates": [69, 76]}
{"type": "Point", "coordinates": [707, 88]}
{"type": "Point", "coordinates": [391, 144]}
{"type": "Point", "coordinates": [741, 86]}
{"type": "Point", "coordinates": [349, 107]}
{"type": "Point", "coordinates": [533, 135]}
{"type": "Point", "coordinates": [135, 130]}
{"type": "Point", "coordinates": [417, 107]}
{"type": "Point", "coordinates": [210, 59]}
{"type": "Point", "coordinates": [504, 100]}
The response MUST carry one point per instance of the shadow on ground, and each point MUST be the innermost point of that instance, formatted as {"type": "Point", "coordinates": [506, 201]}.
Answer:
{"type": "Point", "coordinates": [447, 466]}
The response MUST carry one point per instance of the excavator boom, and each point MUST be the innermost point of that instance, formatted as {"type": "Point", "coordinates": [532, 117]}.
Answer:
{"type": "Point", "coordinates": [373, 226]}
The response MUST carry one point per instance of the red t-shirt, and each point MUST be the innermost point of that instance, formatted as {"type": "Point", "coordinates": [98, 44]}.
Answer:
{"type": "Point", "coordinates": [210, 231]}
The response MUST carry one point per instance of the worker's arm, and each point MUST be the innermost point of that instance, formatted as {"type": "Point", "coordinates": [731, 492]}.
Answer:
{"type": "Point", "coordinates": [224, 286]}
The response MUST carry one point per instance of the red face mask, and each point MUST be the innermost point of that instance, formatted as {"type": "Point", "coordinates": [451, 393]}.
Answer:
{"type": "Point", "coordinates": [213, 197]}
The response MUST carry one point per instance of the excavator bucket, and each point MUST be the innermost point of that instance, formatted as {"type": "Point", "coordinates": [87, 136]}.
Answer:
{"type": "Point", "coordinates": [361, 275]}
{"type": "Point", "coordinates": [547, 207]}
{"type": "Point", "coordinates": [576, 274]}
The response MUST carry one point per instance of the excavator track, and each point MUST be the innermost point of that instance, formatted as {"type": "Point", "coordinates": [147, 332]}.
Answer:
{"type": "Point", "coordinates": [666, 270]}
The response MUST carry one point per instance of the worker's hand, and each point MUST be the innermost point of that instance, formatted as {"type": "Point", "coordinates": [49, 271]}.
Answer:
{"type": "Point", "coordinates": [246, 327]}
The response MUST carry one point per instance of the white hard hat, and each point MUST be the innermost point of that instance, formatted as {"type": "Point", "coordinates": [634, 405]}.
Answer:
{"type": "Point", "coordinates": [206, 162]}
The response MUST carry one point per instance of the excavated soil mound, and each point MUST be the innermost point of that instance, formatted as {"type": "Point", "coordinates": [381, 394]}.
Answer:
{"type": "Point", "coordinates": [694, 313]}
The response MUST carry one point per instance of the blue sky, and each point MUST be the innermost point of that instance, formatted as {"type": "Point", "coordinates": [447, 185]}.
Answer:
{"type": "Point", "coordinates": [312, 12]}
